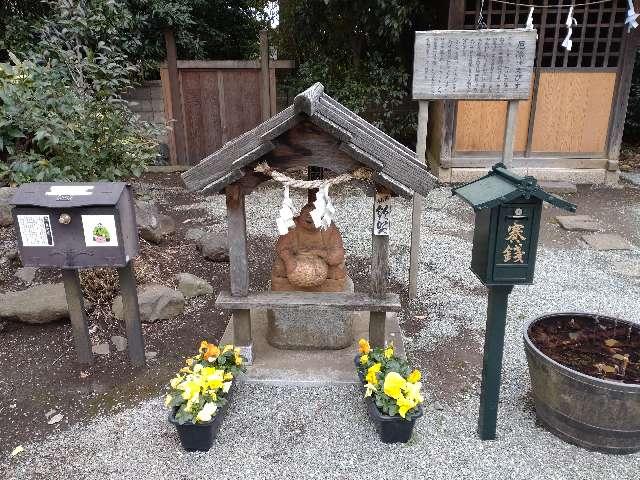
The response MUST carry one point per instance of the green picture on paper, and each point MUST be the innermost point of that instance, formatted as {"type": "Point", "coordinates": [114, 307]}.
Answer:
{"type": "Point", "coordinates": [101, 234]}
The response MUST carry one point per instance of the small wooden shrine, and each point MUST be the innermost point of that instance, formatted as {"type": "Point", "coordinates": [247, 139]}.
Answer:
{"type": "Point", "coordinates": [316, 131]}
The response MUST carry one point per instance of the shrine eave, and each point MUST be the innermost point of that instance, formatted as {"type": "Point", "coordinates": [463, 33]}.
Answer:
{"type": "Point", "coordinates": [395, 165]}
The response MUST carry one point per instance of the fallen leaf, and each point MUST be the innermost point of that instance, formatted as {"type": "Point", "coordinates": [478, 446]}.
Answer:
{"type": "Point", "coordinates": [622, 358]}
{"type": "Point", "coordinates": [55, 419]}
{"type": "Point", "coordinates": [49, 413]}
{"type": "Point", "coordinates": [611, 342]}
{"type": "Point", "coordinates": [17, 450]}
{"type": "Point", "coordinates": [604, 368]}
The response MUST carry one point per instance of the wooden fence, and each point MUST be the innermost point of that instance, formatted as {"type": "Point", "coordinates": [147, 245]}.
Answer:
{"type": "Point", "coordinates": [218, 100]}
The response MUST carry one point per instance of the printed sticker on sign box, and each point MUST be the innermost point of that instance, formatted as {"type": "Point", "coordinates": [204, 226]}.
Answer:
{"type": "Point", "coordinates": [35, 230]}
{"type": "Point", "coordinates": [100, 230]}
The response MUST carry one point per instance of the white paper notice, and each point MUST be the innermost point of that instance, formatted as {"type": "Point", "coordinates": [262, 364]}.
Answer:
{"type": "Point", "coordinates": [71, 190]}
{"type": "Point", "coordinates": [100, 230]}
{"type": "Point", "coordinates": [381, 214]}
{"type": "Point", "coordinates": [35, 230]}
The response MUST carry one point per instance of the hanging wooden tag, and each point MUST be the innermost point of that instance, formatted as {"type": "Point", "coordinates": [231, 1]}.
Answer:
{"type": "Point", "coordinates": [382, 214]}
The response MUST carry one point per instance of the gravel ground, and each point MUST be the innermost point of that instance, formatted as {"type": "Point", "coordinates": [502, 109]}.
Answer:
{"type": "Point", "coordinates": [307, 432]}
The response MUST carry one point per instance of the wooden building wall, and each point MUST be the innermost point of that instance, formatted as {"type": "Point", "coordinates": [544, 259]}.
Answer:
{"type": "Point", "coordinates": [575, 114]}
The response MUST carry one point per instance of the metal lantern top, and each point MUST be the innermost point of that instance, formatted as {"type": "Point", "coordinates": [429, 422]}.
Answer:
{"type": "Point", "coordinates": [501, 186]}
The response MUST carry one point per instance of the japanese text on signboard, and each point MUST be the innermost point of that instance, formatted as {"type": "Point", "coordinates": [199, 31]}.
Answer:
{"type": "Point", "coordinates": [473, 64]}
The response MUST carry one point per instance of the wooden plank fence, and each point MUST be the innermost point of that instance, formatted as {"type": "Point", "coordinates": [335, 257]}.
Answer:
{"type": "Point", "coordinates": [218, 100]}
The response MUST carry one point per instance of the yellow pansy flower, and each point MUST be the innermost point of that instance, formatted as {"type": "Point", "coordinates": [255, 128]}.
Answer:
{"type": "Point", "coordinates": [363, 346]}
{"type": "Point", "coordinates": [394, 384]}
{"type": "Point", "coordinates": [404, 405]}
{"type": "Point", "coordinates": [388, 352]}
{"type": "Point", "coordinates": [364, 359]}
{"type": "Point", "coordinates": [167, 400]}
{"type": "Point", "coordinates": [189, 361]}
{"type": "Point", "coordinates": [370, 389]}
{"type": "Point", "coordinates": [175, 382]}
{"type": "Point", "coordinates": [371, 373]}
{"type": "Point", "coordinates": [207, 412]}
{"type": "Point", "coordinates": [414, 376]}
{"type": "Point", "coordinates": [228, 376]}
{"type": "Point", "coordinates": [412, 391]}
{"type": "Point", "coordinates": [238, 359]}
{"type": "Point", "coordinates": [227, 348]}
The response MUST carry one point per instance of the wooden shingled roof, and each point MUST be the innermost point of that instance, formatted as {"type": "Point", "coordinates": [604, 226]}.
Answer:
{"type": "Point", "coordinates": [395, 165]}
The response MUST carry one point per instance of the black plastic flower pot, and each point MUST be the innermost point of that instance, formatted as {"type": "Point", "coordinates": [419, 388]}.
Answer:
{"type": "Point", "coordinates": [391, 429]}
{"type": "Point", "coordinates": [199, 437]}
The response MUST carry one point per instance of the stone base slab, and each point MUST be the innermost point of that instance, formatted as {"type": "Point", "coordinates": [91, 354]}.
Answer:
{"type": "Point", "coordinates": [308, 367]}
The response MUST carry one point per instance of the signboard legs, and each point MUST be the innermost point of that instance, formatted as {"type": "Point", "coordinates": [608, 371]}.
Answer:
{"type": "Point", "coordinates": [492, 360]}
{"type": "Point", "coordinates": [131, 313]}
{"type": "Point", "coordinates": [416, 214]}
{"type": "Point", "coordinates": [77, 315]}
{"type": "Point", "coordinates": [510, 133]}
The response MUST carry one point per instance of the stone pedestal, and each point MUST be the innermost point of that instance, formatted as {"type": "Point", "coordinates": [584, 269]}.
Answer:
{"type": "Point", "coordinates": [311, 328]}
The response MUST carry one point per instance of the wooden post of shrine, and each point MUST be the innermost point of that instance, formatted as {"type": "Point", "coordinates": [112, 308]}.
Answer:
{"type": "Point", "coordinates": [379, 263]}
{"type": "Point", "coordinates": [238, 271]}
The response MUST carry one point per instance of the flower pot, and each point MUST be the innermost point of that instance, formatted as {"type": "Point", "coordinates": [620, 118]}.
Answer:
{"type": "Point", "coordinates": [593, 413]}
{"type": "Point", "coordinates": [391, 429]}
{"type": "Point", "coordinates": [199, 437]}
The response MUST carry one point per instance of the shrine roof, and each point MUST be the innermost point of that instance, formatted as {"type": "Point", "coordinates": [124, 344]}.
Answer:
{"type": "Point", "coordinates": [501, 186]}
{"type": "Point", "coordinates": [395, 166]}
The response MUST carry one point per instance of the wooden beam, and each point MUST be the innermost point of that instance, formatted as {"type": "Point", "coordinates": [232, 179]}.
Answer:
{"type": "Point", "coordinates": [177, 127]}
{"type": "Point", "coordinates": [301, 300]}
{"type": "Point", "coordinates": [510, 133]}
{"type": "Point", "coordinates": [231, 64]}
{"type": "Point", "coordinates": [238, 270]}
{"type": "Point", "coordinates": [416, 213]}
{"type": "Point", "coordinates": [621, 96]}
{"type": "Point", "coordinates": [237, 238]}
{"type": "Point", "coordinates": [131, 313]}
{"type": "Point", "coordinates": [379, 273]}
{"type": "Point", "coordinates": [265, 98]}
{"type": "Point", "coordinates": [78, 316]}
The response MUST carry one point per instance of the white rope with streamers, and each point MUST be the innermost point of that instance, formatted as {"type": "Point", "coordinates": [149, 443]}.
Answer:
{"type": "Point", "coordinates": [285, 220]}
{"type": "Point", "coordinates": [569, 22]}
{"type": "Point", "coordinates": [324, 210]}
{"type": "Point", "coordinates": [632, 16]}
{"type": "Point", "coordinates": [529, 24]}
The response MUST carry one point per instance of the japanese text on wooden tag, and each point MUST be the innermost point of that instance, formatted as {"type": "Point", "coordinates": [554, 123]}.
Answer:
{"type": "Point", "coordinates": [382, 214]}
{"type": "Point", "coordinates": [492, 64]}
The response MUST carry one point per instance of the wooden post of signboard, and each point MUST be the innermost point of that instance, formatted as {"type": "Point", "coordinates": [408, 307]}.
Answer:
{"type": "Point", "coordinates": [476, 65]}
{"type": "Point", "coordinates": [416, 214]}
{"type": "Point", "coordinates": [510, 133]}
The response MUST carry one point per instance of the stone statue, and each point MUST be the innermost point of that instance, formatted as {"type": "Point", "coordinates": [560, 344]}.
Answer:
{"type": "Point", "coordinates": [308, 258]}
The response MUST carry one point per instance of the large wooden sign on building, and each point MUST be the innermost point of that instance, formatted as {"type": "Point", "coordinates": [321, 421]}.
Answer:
{"type": "Point", "coordinates": [481, 65]}
{"type": "Point", "coordinates": [570, 125]}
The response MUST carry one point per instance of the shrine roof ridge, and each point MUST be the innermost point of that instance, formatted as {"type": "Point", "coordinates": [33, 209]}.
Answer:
{"type": "Point", "coordinates": [395, 165]}
{"type": "Point", "coordinates": [501, 185]}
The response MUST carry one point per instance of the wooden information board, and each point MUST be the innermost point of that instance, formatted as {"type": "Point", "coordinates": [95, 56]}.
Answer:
{"type": "Point", "coordinates": [474, 64]}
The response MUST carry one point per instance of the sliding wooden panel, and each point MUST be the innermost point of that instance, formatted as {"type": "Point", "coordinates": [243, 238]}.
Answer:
{"type": "Point", "coordinates": [572, 112]}
{"type": "Point", "coordinates": [480, 126]}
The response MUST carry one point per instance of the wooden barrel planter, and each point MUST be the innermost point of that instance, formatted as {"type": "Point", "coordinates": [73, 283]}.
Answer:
{"type": "Point", "coordinates": [586, 408]}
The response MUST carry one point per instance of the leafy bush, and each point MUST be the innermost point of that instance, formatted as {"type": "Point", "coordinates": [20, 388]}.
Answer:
{"type": "Point", "coordinates": [61, 115]}
{"type": "Point", "coordinates": [361, 51]}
